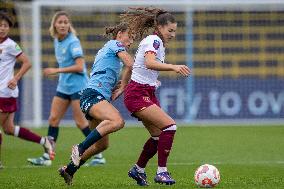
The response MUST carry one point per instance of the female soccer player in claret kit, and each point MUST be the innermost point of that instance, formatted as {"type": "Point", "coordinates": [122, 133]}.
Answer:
{"type": "Point", "coordinates": [95, 100]}
{"type": "Point", "coordinates": [139, 95]}
{"type": "Point", "coordinates": [72, 79]}
{"type": "Point", "coordinates": [10, 53]}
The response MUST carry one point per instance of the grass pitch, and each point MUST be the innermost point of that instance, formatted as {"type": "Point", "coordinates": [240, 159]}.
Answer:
{"type": "Point", "coordinates": [247, 157]}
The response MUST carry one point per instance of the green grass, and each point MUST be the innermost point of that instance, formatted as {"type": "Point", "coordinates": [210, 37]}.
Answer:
{"type": "Point", "coordinates": [247, 157]}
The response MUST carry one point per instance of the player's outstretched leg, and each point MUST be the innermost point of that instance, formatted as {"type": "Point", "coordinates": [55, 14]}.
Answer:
{"type": "Point", "coordinates": [79, 149]}
{"type": "Point", "coordinates": [139, 177]}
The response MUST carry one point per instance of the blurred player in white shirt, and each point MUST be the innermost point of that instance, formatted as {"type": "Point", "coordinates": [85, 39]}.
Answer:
{"type": "Point", "coordinates": [10, 53]}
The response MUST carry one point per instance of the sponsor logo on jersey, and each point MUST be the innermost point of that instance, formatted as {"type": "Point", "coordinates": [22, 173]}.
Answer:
{"type": "Point", "coordinates": [18, 48]}
{"type": "Point", "coordinates": [119, 44]}
{"type": "Point", "coordinates": [156, 44]}
{"type": "Point", "coordinates": [76, 49]}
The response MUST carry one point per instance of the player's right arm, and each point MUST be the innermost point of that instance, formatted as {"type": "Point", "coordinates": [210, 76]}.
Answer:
{"type": "Point", "coordinates": [79, 62]}
{"type": "Point", "coordinates": [78, 67]}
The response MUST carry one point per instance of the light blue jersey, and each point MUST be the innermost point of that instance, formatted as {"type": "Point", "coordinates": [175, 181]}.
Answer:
{"type": "Point", "coordinates": [106, 68]}
{"type": "Point", "coordinates": [66, 51]}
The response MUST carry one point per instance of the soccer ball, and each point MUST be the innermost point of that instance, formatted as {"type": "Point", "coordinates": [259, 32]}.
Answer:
{"type": "Point", "coordinates": [207, 176]}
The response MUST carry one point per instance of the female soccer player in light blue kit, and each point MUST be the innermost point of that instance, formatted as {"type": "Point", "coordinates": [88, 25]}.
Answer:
{"type": "Point", "coordinates": [72, 79]}
{"type": "Point", "coordinates": [95, 100]}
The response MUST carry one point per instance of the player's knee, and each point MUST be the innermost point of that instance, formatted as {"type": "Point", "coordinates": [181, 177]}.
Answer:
{"type": "Point", "coordinates": [120, 123]}
{"type": "Point", "coordinates": [117, 124]}
{"type": "Point", "coordinates": [81, 125]}
{"type": "Point", "coordinates": [53, 120]}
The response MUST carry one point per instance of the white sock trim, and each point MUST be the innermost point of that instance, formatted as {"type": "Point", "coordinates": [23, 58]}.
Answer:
{"type": "Point", "coordinates": [155, 138]}
{"type": "Point", "coordinates": [17, 131]}
{"type": "Point", "coordinates": [140, 169]}
{"type": "Point", "coordinates": [162, 169]}
{"type": "Point", "coordinates": [171, 128]}
{"type": "Point", "coordinates": [42, 140]}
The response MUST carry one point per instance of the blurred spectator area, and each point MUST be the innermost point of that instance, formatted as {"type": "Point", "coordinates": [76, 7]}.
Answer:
{"type": "Point", "coordinates": [224, 43]}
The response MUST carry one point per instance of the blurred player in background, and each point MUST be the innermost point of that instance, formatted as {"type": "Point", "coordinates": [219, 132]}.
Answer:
{"type": "Point", "coordinates": [10, 52]}
{"type": "Point", "coordinates": [1, 166]}
{"type": "Point", "coordinates": [139, 96]}
{"type": "Point", "coordinates": [95, 100]}
{"type": "Point", "coordinates": [72, 79]}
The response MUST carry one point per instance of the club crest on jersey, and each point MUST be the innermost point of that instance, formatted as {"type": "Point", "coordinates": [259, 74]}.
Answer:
{"type": "Point", "coordinates": [156, 44]}
{"type": "Point", "coordinates": [63, 50]}
{"type": "Point", "coordinates": [119, 44]}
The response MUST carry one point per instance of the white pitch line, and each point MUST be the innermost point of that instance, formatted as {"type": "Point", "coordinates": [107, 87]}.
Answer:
{"type": "Point", "coordinates": [278, 162]}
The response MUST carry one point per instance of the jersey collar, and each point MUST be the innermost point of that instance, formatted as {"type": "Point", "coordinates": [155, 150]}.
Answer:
{"type": "Point", "coordinates": [4, 39]}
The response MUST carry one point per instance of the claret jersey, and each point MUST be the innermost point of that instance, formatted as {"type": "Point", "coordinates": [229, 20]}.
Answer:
{"type": "Point", "coordinates": [140, 73]}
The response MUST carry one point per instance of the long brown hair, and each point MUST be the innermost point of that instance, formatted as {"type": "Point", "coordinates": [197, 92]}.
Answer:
{"type": "Point", "coordinates": [141, 19]}
{"type": "Point", "coordinates": [112, 31]}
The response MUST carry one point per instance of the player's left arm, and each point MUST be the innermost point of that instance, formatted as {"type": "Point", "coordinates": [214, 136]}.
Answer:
{"type": "Point", "coordinates": [126, 74]}
{"type": "Point", "coordinates": [128, 63]}
{"type": "Point", "coordinates": [26, 65]}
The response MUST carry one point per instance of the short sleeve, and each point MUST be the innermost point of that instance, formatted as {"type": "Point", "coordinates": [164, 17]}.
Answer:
{"type": "Point", "coordinates": [76, 49]}
{"type": "Point", "coordinates": [152, 45]}
{"type": "Point", "coordinates": [15, 50]}
{"type": "Point", "coordinates": [117, 47]}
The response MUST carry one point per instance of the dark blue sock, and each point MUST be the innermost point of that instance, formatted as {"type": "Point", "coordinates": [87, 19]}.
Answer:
{"type": "Point", "coordinates": [86, 131]}
{"type": "Point", "coordinates": [71, 168]}
{"type": "Point", "coordinates": [53, 132]}
{"type": "Point", "coordinates": [91, 139]}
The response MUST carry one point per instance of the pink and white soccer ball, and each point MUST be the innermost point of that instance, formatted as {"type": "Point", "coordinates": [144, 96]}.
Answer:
{"type": "Point", "coordinates": [207, 176]}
